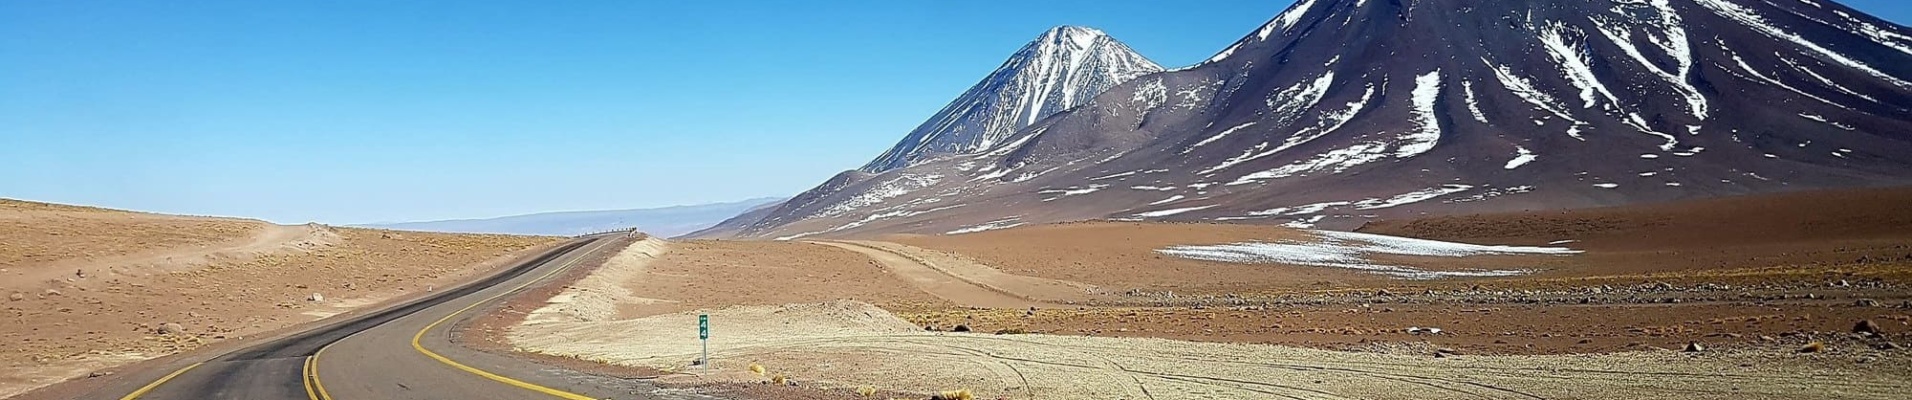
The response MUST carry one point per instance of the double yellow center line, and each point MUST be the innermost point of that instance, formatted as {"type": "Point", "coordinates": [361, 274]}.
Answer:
{"type": "Point", "coordinates": [315, 390]}
{"type": "Point", "coordinates": [488, 375]}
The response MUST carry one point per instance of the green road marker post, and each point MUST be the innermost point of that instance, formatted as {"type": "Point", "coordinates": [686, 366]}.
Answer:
{"type": "Point", "coordinates": [703, 334]}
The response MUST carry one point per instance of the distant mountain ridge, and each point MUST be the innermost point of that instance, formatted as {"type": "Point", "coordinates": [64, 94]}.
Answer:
{"type": "Point", "coordinates": [1338, 112]}
{"type": "Point", "coordinates": [731, 227]}
{"type": "Point", "coordinates": [663, 221]}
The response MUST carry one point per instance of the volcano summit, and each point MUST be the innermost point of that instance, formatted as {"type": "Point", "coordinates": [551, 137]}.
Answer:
{"type": "Point", "coordinates": [1337, 112]}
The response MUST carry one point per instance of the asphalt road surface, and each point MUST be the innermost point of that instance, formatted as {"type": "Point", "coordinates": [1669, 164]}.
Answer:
{"type": "Point", "coordinates": [399, 353]}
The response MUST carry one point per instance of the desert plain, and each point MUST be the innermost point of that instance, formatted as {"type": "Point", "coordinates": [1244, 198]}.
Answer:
{"type": "Point", "coordinates": [1777, 296]}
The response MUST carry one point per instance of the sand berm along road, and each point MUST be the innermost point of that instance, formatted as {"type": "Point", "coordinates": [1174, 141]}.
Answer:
{"type": "Point", "coordinates": [403, 352]}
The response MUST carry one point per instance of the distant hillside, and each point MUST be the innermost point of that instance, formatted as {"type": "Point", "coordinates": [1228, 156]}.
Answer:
{"type": "Point", "coordinates": [666, 221]}
{"type": "Point", "coordinates": [730, 227]}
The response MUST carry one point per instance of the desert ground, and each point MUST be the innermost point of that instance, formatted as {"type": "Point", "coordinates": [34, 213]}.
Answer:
{"type": "Point", "coordinates": [1784, 296]}
{"type": "Point", "coordinates": [89, 289]}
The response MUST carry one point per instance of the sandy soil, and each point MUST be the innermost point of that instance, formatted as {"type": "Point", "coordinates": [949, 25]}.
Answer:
{"type": "Point", "coordinates": [1810, 229]}
{"type": "Point", "coordinates": [1123, 257]}
{"type": "Point", "coordinates": [212, 278]}
{"type": "Point", "coordinates": [596, 296]}
{"type": "Point", "coordinates": [696, 275]}
{"type": "Point", "coordinates": [1606, 323]}
{"type": "Point", "coordinates": [1652, 276]}
{"type": "Point", "coordinates": [1476, 329]}
{"type": "Point", "coordinates": [843, 345]}
{"type": "Point", "coordinates": [840, 346]}
{"type": "Point", "coordinates": [965, 282]}
{"type": "Point", "coordinates": [55, 242]}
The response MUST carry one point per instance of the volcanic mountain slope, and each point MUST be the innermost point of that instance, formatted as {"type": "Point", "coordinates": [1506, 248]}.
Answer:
{"type": "Point", "coordinates": [1063, 68]}
{"type": "Point", "coordinates": [731, 226]}
{"type": "Point", "coordinates": [1341, 111]}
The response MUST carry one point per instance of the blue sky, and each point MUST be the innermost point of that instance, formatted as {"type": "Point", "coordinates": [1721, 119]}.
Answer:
{"type": "Point", "coordinates": [365, 111]}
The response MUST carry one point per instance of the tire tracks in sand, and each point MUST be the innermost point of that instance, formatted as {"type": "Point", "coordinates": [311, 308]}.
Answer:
{"type": "Point", "coordinates": [267, 239]}
{"type": "Point", "coordinates": [967, 283]}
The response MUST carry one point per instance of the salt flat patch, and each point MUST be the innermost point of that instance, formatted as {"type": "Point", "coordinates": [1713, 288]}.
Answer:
{"type": "Point", "coordinates": [1174, 211]}
{"type": "Point", "coordinates": [1352, 250]}
{"type": "Point", "coordinates": [1304, 223]}
{"type": "Point", "coordinates": [1004, 223]}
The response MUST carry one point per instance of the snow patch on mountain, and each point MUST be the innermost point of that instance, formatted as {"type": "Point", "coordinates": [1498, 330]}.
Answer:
{"type": "Point", "coordinates": [1522, 156]}
{"type": "Point", "coordinates": [1759, 24]}
{"type": "Point", "coordinates": [1004, 223]}
{"type": "Point", "coordinates": [1064, 68]}
{"type": "Point", "coordinates": [1427, 125]}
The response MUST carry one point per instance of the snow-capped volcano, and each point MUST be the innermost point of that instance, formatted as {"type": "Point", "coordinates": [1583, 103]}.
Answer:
{"type": "Point", "coordinates": [1337, 112]}
{"type": "Point", "coordinates": [1063, 68]}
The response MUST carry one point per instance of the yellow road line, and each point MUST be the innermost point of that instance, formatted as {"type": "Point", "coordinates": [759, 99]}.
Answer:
{"type": "Point", "coordinates": [313, 388]}
{"type": "Point", "coordinates": [309, 373]}
{"type": "Point", "coordinates": [150, 386]}
{"type": "Point", "coordinates": [318, 385]}
{"type": "Point", "coordinates": [488, 375]}
{"type": "Point", "coordinates": [305, 376]}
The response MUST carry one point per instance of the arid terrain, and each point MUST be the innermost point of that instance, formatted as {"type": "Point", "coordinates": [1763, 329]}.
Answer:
{"type": "Point", "coordinates": [1680, 300]}
{"type": "Point", "coordinates": [1773, 296]}
{"type": "Point", "coordinates": [88, 289]}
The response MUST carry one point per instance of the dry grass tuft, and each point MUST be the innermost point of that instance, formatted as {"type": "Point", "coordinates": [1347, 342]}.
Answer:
{"type": "Point", "coordinates": [954, 395]}
{"type": "Point", "coordinates": [756, 369]}
{"type": "Point", "coordinates": [866, 391]}
{"type": "Point", "coordinates": [1813, 347]}
{"type": "Point", "coordinates": [779, 379]}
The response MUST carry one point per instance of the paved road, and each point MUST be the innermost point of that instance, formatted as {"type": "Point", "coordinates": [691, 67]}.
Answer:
{"type": "Point", "coordinates": [399, 353]}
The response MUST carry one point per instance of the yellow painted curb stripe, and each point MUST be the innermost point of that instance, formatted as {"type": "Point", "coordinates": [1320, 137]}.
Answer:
{"type": "Point", "coordinates": [305, 376]}
{"type": "Point", "coordinates": [150, 386]}
{"type": "Point", "coordinates": [314, 389]}
{"type": "Point", "coordinates": [318, 385]}
{"type": "Point", "coordinates": [488, 375]}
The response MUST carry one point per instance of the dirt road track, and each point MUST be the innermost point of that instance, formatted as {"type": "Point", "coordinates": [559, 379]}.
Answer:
{"type": "Point", "coordinates": [975, 286]}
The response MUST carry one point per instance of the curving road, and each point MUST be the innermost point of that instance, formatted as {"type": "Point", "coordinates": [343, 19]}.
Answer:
{"type": "Point", "coordinates": [402, 352]}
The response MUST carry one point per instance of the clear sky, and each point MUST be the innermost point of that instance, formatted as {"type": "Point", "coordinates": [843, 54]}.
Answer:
{"type": "Point", "coordinates": [372, 111]}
